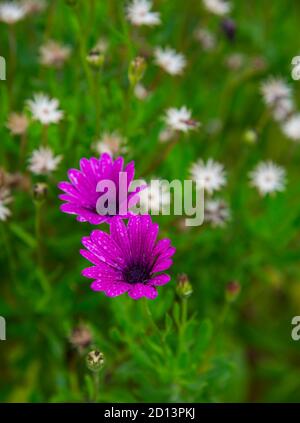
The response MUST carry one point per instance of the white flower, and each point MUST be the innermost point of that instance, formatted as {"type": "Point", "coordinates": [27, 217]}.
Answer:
{"type": "Point", "coordinates": [54, 54]}
{"type": "Point", "coordinates": [166, 134]}
{"type": "Point", "coordinates": [156, 197]}
{"type": "Point", "coordinates": [111, 142]}
{"type": "Point", "coordinates": [11, 12]}
{"type": "Point", "coordinates": [169, 60]}
{"type": "Point", "coordinates": [5, 199]}
{"type": "Point", "coordinates": [140, 92]}
{"type": "Point", "coordinates": [216, 212]}
{"type": "Point", "coordinates": [209, 176]}
{"type": "Point", "coordinates": [274, 90]}
{"type": "Point", "coordinates": [43, 161]}
{"type": "Point", "coordinates": [218, 7]}
{"type": "Point", "coordinates": [268, 177]}
{"type": "Point", "coordinates": [206, 38]}
{"type": "Point", "coordinates": [45, 109]}
{"type": "Point", "coordinates": [282, 109]}
{"type": "Point", "coordinates": [180, 119]}
{"type": "Point", "coordinates": [139, 13]}
{"type": "Point", "coordinates": [291, 128]}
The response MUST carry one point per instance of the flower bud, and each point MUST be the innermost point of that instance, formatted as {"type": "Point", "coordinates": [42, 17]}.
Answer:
{"type": "Point", "coordinates": [136, 71]}
{"type": "Point", "coordinates": [250, 136]}
{"type": "Point", "coordinates": [95, 58]}
{"type": "Point", "coordinates": [95, 360]}
{"type": "Point", "coordinates": [40, 191]}
{"type": "Point", "coordinates": [233, 289]}
{"type": "Point", "coordinates": [229, 28]}
{"type": "Point", "coordinates": [184, 288]}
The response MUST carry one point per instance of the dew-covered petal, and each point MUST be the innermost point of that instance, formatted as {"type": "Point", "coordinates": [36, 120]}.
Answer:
{"type": "Point", "coordinates": [116, 289]}
{"type": "Point", "coordinates": [140, 290]}
{"type": "Point", "coordinates": [160, 280]}
{"type": "Point", "coordinates": [119, 233]}
{"type": "Point", "coordinates": [107, 245]}
{"type": "Point", "coordinates": [162, 265]}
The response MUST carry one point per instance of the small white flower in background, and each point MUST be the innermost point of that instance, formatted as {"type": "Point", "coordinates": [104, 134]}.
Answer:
{"type": "Point", "coordinates": [216, 212]}
{"type": "Point", "coordinates": [54, 54]}
{"type": "Point", "coordinates": [169, 60]}
{"type": "Point", "coordinates": [180, 119]}
{"type": "Point", "coordinates": [218, 7]}
{"type": "Point", "coordinates": [11, 12]}
{"type": "Point", "coordinates": [155, 197]}
{"type": "Point", "coordinates": [166, 134]}
{"type": "Point", "coordinates": [268, 177]}
{"type": "Point", "coordinates": [17, 123]}
{"type": "Point", "coordinates": [139, 13]}
{"type": "Point", "coordinates": [140, 92]}
{"type": "Point", "coordinates": [45, 109]}
{"type": "Point", "coordinates": [209, 176]}
{"type": "Point", "coordinates": [43, 161]}
{"type": "Point", "coordinates": [5, 199]}
{"type": "Point", "coordinates": [274, 90]}
{"type": "Point", "coordinates": [110, 142]}
{"type": "Point", "coordinates": [282, 109]}
{"type": "Point", "coordinates": [206, 38]}
{"type": "Point", "coordinates": [291, 127]}
{"type": "Point", "coordinates": [235, 61]}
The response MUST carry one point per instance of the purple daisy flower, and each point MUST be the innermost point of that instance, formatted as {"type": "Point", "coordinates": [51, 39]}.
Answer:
{"type": "Point", "coordinates": [81, 194]}
{"type": "Point", "coordinates": [129, 259]}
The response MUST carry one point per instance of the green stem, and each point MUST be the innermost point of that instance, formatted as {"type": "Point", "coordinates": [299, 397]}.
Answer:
{"type": "Point", "coordinates": [45, 135]}
{"type": "Point", "coordinates": [96, 385]}
{"type": "Point", "coordinates": [39, 247]}
{"type": "Point", "coordinates": [182, 326]}
{"type": "Point", "coordinates": [9, 252]}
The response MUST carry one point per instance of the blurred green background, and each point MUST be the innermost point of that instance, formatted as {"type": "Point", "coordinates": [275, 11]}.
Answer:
{"type": "Point", "coordinates": [241, 351]}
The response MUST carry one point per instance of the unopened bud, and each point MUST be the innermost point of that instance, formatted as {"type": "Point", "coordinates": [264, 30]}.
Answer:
{"type": "Point", "coordinates": [233, 289]}
{"type": "Point", "coordinates": [184, 288]}
{"type": "Point", "coordinates": [136, 71]}
{"type": "Point", "coordinates": [250, 136]}
{"type": "Point", "coordinates": [40, 191]}
{"type": "Point", "coordinates": [95, 360]}
{"type": "Point", "coordinates": [95, 58]}
{"type": "Point", "coordinates": [229, 28]}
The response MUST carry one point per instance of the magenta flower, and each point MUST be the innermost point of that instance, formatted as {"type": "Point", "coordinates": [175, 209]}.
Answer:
{"type": "Point", "coordinates": [129, 259]}
{"type": "Point", "coordinates": [81, 194]}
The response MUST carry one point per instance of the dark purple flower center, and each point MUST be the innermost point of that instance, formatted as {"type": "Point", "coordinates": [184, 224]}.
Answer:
{"type": "Point", "coordinates": [136, 273]}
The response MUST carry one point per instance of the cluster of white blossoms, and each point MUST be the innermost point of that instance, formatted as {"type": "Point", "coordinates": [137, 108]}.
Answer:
{"type": "Point", "coordinates": [45, 109]}
{"type": "Point", "coordinates": [169, 60]}
{"type": "Point", "coordinates": [139, 13]}
{"type": "Point", "coordinates": [278, 97]}
{"type": "Point", "coordinates": [218, 7]}
{"type": "Point", "coordinates": [268, 178]}
{"type": "Point", "coordinates": [180, 119]}
{"type": "Point", "coordinates": [110, 142]}
{"type": "Point", "coordinates": [43, 161]}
